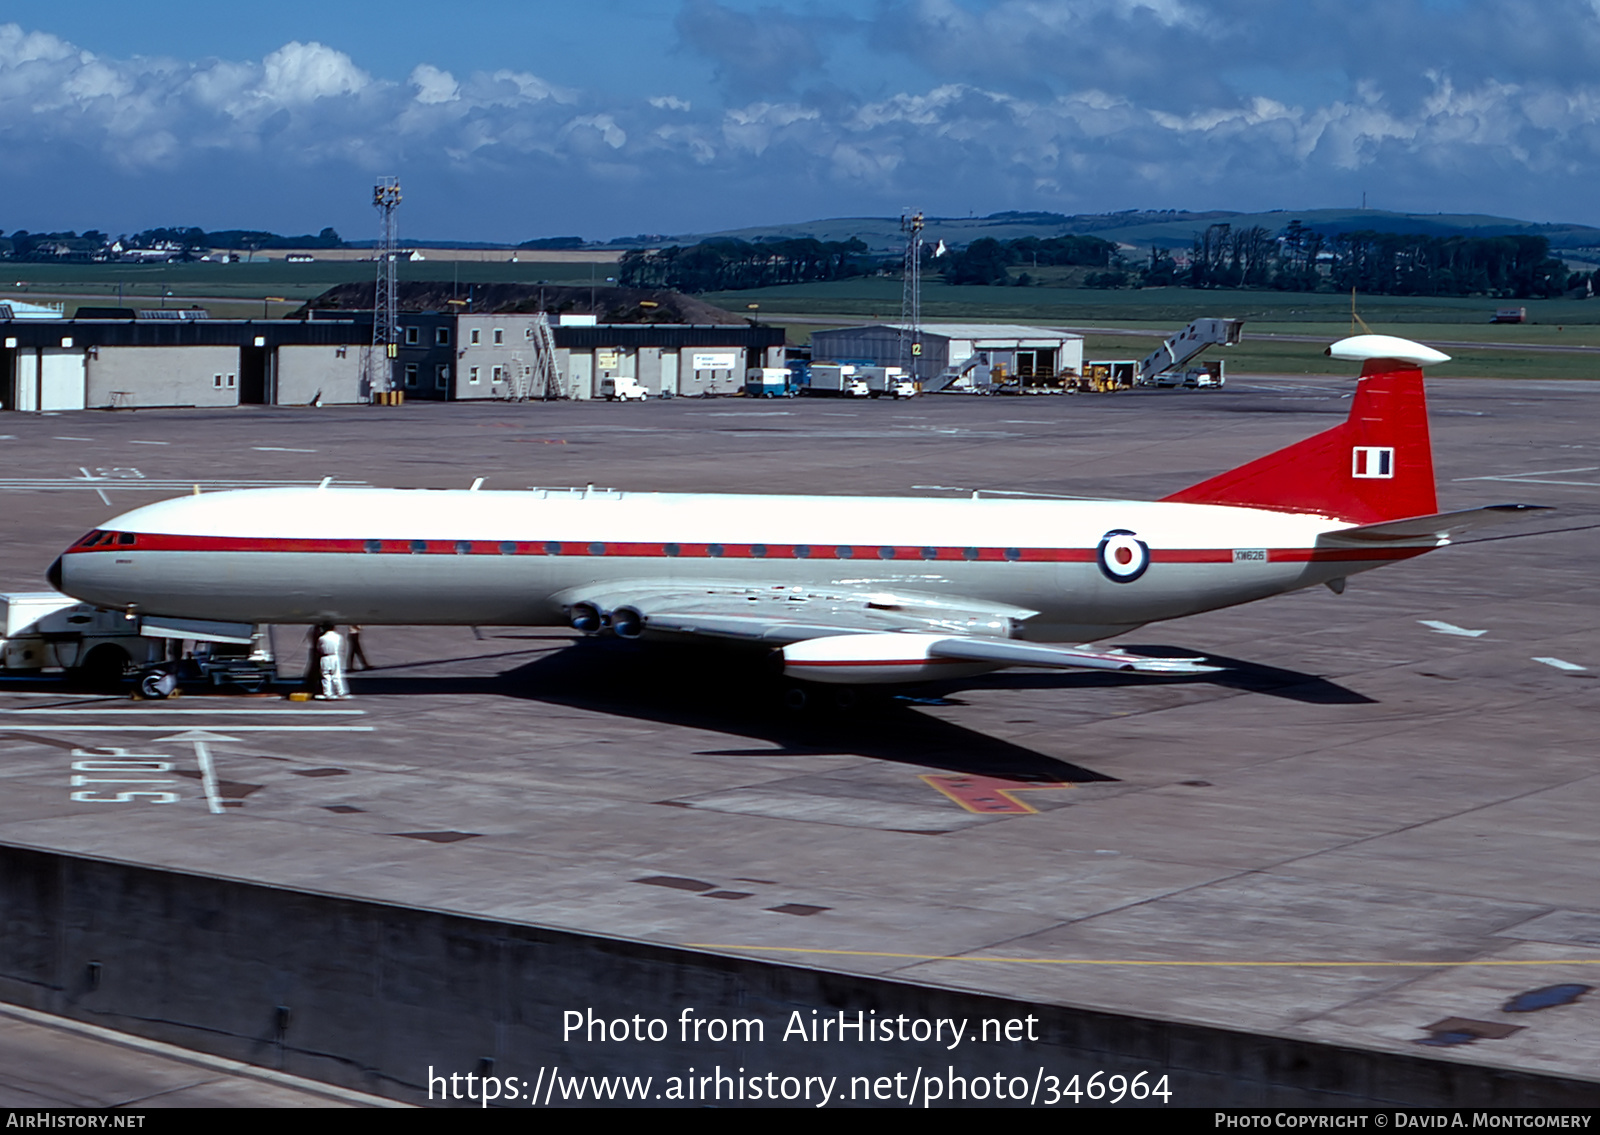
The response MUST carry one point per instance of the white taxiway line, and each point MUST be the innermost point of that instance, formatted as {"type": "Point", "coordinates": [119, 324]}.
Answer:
{"type": "Point", "coordinates": [61, 1025]}
{"type": "Point", "coordinates": [1431, 624]}
{"type": "Point", "coordinates": [1560, 664]}
{"type": "Point", "coordinates": [97, 712]}
{"type": "Point", "coordinates": [208, 777]}
{"type": "Point", "coordinates": [1540, 477]}
{"type": "Point", "coordinates": [152, 484]}
{"type": "Point", "coordinates": [68, 727]}
{"type": "Point", "coordinates": [1534, 473]}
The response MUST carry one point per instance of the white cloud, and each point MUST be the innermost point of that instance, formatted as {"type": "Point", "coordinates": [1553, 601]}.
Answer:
{"type": "Point", "coordinates": [301, 72]}
{"type": "Point", "coordinates": [433, 85]}
{"type": "Point", "coordinates": [18, 47]}
{"type": "Point", "coordinates": [1080, 139]}
{"type": "Point", "coordinates": [604, 125]}
{"type": "Point", "coordinates": [753, 128]}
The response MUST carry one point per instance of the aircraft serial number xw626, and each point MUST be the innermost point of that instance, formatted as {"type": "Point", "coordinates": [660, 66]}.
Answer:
{"type": "Point", "coordinates": [849, 590]}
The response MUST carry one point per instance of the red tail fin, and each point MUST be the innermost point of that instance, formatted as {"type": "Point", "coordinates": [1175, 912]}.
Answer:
{"type": "Point", "coordinates": [1377, 466]}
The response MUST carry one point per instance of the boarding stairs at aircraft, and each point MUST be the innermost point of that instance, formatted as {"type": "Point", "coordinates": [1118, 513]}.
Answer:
{"type": "Point", "coordinates": [1186, 344]}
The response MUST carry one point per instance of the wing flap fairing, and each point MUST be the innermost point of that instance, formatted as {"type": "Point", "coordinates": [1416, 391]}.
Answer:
{"type": "Point", "coordinates": [1012, 653]}
{"type": "Point", "coordinates": [884, 658]}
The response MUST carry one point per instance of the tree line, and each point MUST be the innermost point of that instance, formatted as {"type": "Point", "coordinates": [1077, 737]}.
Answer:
{"type": "Point", "coordinates": [988, 261]}
{"type": "Point", "coordinates": [54, 247]}
{"type": "Point", "coordinates": [1300, 259]}
{"type": "Point", "coordinates": [730, 265]}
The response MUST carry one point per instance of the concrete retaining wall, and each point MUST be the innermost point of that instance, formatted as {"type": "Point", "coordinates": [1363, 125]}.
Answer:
{"type": "Point", "coordinates": [372, 996]}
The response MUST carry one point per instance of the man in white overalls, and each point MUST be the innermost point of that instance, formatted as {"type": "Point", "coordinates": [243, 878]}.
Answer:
{"type": "Point", "coordinates": [330, 660]}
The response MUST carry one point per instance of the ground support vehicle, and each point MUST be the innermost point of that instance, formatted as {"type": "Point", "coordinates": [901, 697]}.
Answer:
{"type": "Point", "coordinates": [892, 381]}
{"type": "Point", "coordinates": [622, 389]}
{"type": "Point", "coordinates": [836, 380]}
{"type": "Point", "coordinates": [1102, 377]}
{"type": "Point", "coordinates": [1166, 365]}
{"type": "Point", "coordinates": [769, 382]}
{"type": "Point", "coordinates": [1211, 375]}
{"type": "Point", "coordinates": [46, 633]}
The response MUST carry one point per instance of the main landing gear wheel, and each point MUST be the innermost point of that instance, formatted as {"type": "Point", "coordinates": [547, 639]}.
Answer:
{"type": "Point", "coordinates": [158, 684]}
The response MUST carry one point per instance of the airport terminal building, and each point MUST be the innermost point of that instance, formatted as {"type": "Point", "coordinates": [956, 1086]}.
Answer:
{"type": "Point", "coordinates": [111, 358]}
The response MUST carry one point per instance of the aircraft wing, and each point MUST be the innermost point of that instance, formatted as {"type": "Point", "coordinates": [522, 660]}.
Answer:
{"type": "Point", "coordinates": [890, 634]}
{"type": "Point", "coordinates": [781, 614]}
{"type": "Point", "coordinates": [1436, 529]}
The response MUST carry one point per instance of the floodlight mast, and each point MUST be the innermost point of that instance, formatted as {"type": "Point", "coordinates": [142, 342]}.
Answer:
{"type": "Point", "coordinates": [911, 297]}
{"type": "Point", "coordinates": [378, 362]}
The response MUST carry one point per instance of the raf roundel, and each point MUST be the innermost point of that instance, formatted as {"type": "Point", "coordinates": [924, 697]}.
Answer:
{"type": "Point", "coordinates": [1123, 556]}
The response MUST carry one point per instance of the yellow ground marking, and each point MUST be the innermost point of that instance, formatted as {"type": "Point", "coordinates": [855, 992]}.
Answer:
{"type": "Point", "coordinates": [987, 795]}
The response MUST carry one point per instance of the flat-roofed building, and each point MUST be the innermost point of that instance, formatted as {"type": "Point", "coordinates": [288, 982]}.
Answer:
{"type": "Point", "coordinates": [959, 354]}
{"type": "Point", "coordinates": [116, 359]}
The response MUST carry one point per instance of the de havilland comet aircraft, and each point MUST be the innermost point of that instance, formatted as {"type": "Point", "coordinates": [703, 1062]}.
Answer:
{"type": "Point", "coordinates": [847, 590]}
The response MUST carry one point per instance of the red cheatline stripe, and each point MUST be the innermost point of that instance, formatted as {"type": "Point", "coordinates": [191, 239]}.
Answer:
{"type": "Point", "coordinates": [885, 662]}
{"type": "Point", "coordinates": [163, 542]}
{"type": "Point", "coordinates": [1341, 555]}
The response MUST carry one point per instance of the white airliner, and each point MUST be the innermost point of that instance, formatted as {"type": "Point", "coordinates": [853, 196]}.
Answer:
{"type": "Point", "coordinates": [847, 589]}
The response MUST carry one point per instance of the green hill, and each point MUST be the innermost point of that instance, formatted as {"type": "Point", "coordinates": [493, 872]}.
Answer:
{"type": "Point", "coordinates": [1166, 228]}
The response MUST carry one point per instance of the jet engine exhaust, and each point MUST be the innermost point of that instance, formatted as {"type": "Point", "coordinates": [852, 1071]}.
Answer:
{"type": "Point", "coordinates": [586, 618]}
{"type": "Point", "coordinates": [627, 622]}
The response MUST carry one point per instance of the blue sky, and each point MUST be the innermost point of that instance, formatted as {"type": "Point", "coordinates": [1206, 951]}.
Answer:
{"type": "Point", "coordinates": [507, 121]}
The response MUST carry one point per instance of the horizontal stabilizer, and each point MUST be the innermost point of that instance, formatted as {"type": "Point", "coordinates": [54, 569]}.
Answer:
{"type": "Point", "coordinates": [1440, 526]}
{"type": "Point", "coordinates": [1366, 348]}
{"type": "Point", "coordinates": [1006, 652]}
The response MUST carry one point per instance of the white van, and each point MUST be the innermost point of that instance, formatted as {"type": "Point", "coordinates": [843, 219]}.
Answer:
{"type": "Point", "coordinates": [622, 389]}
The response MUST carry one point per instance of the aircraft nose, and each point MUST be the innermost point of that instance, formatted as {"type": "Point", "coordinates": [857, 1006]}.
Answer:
{"type": "Point", "coordinates": [54, 574]}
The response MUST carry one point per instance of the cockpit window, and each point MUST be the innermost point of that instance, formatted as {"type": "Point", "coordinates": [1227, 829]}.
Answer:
{"type": "Point", "coordinates": [91, 539]}
{"type": "Point", "coordinates": [125, 537]}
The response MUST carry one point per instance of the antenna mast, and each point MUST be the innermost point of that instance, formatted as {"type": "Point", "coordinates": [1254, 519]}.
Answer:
{"type": "Point", "coordinates": [378, 376]}
{"type": "Point", "coordinates": [911, 297]}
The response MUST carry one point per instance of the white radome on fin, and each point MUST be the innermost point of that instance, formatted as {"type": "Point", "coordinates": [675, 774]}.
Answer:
{"type": "Point", "coordinates": [1361, 348]}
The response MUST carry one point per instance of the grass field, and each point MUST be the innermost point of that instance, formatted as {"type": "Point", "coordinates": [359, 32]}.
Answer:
{"type": "Point", "coordinates": [238, 290]}
{"type": "Point", "coordinates": [879, 298]}
{"type": "Point", "coordinates": [1564, 335]}
{"type": "Point", "coordinates": [1267, 356]}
